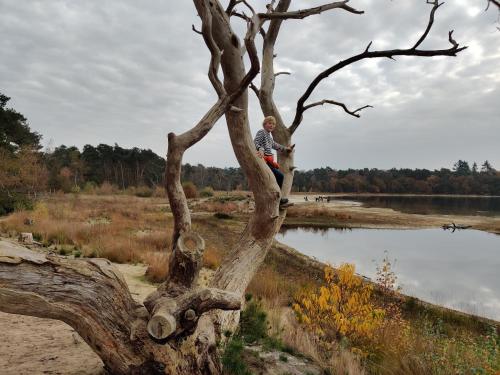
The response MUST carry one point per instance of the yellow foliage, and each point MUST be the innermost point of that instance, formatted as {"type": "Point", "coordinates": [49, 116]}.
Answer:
{"type": "Point", "coordinates": [342, 307]}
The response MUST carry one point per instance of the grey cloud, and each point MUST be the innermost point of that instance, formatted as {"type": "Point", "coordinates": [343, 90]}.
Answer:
{"type": "Point", "coordinates": [130, 72]}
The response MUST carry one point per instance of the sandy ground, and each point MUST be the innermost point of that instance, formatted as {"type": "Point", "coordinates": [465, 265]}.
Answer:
{"type": "Point", "coordinates": [30, 345]}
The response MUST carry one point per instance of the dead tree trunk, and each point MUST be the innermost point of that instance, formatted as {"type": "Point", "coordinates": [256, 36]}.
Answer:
{"type": "Point", "coordinates": [176, 330]}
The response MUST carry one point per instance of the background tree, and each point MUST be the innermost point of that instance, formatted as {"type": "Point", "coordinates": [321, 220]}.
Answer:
{"type": "Point", "coordinates": [177, 329]}
{"type": "Point", "coordinates": [22, 173]}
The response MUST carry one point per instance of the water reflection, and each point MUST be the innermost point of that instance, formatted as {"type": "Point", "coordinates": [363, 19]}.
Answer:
{"type": "Point", "coordinates": [424, 205]}
{"type": "Point", "coordinates": [458, 270]}
{"type": "Point", "coordinates": [312, 229]}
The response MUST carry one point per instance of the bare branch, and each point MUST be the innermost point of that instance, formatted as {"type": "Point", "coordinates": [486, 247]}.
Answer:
{"type": "Point", "coordinates": [231, 5]}
{"type": "Point", "coordinates": [495, 2]}
{"type": "Point", "coordinates": [303, 13]}
{"type": "Point", "coordinates": [255, 89]}
{"type": "Point", "coordinates": [246, 18]}
{"type": "Point", "coordinates": [281, 73]}
{"type": "Point", "coordinates": [206, 28]}
{"type": "Point", "coordinates": [452, 51]}
{"type": "Point", "coordinates": [196, 31]}
{"type": "Point", "coordinates": [429, 25]}
{"type": "Point", "coordinates": [248, 6]}
{"type": "Point", "coordinates": [326, 101]}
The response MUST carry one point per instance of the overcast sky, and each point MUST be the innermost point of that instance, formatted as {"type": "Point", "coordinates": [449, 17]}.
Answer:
{"type": "Point", "coordinates": [131, 71]}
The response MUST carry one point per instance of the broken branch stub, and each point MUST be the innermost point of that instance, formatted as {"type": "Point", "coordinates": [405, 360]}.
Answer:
{"type": "Point", "coordinates": [186, 260]}
{"type": "Point", "coordinates": [177, 316]}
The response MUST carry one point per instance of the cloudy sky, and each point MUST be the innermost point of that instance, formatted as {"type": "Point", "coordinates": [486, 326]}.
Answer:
{"type": "Point", "coordinates": [131, 71]}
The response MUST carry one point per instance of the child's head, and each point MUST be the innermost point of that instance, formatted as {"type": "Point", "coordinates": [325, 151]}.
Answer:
{"type": "Point", "coordinates": [269, 123]}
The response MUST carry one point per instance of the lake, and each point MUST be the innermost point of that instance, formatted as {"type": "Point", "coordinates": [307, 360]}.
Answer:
{"type": "Point", "coordinates": [460, 270]}
{"type": "Point", "coordinates": [441, 205]}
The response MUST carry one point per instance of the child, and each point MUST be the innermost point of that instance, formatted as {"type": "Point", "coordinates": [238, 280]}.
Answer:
{"type": "Point", "coordinates": [264, 143]}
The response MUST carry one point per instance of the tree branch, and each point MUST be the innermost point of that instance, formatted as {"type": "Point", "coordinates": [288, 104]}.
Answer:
{"type": "Point", "coordinates": [281, 73]}
{"type": "Point", "coordinates": [430, 23]}
{"type": "Point", "coordinates": [206, 29]}
{"type": "Point", "coordinates": [303, 13]}
{"type": "Point", "coordinates": [452, 51]}
{"type": "Point", "coordinates": [495, 2]}
{"type": "Point", "coordinates": [326, 101]}
{"type": "Point", "coordinates": [196, 31]}
{"type": "Point", "coordinates": [246, 18]}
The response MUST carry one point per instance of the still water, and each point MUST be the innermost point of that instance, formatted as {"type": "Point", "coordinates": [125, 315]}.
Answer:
{"type": "Point", "coordinates": [441, 205]}
{"type": "Point", "coordinates": [460, 270]}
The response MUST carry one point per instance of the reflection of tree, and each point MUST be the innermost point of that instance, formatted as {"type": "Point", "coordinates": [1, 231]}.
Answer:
{"type": "Point", "coordinates": [323, 230]}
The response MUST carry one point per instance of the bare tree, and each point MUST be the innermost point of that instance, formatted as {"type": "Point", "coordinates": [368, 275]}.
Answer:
{"type": "Point", "coordinates": [176, 330]}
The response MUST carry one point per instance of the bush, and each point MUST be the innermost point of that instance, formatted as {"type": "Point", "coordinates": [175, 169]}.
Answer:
{"type": "Point", "coordinates": [343, 307]}
{"type": "Point", "coordinates": [106, 189]}
{"type": "Point", "coordinates": [222, 216]}
{"type": "Point", "coordinates": [207, 191]}
{"type": "Point", "coordinates": [75, 189]}
{"type": "Point", "coordinates": [14, 202]}
{"type": "Point", "coordinates": [143, 192]}
{"type": "Point", "coordinates": [89, 187]}
{"type": "Point", "coordinates": [190, 190]}
{"type": "Point", "coordinates": [159, 192]}
{"type": "Point", "coordinates": [232, 358]}
{"type": "Point", "coordinates": [253, 322]}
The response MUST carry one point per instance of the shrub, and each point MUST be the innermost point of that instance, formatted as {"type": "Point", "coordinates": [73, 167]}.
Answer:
{"type": "Point", "coordinates": [190, 190]}
{"type": "Point", "coordinates": [106, 189]}
{"type": "Point", "coordinates": [232, 358]}
{"type": "Point", "coordinates": [143, 191]}
{"type": "Point", "coordinates": [89, 187]}
{"type": "Point", "coordinates": [14, 202]}
{"type": "Point", "coordinates": [207, 191]}
{"type": "Point", "coordinates": [75, 189]}
{"type": "Point", "coordinates": [222, 216]}
{"type": "Point", "coordinates": [159, 192]}
{"type": "Point", "coordinates": [341, 308]}
{"type": "Point", "coordinates": [253, 322]}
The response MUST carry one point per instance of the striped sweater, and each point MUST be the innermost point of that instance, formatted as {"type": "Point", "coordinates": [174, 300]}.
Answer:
{"type": "Point", "coordinates": [264, 141]}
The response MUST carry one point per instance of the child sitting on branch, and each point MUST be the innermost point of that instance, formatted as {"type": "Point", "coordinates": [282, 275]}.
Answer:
{"type": "Point", "coordinates": [265, 143]}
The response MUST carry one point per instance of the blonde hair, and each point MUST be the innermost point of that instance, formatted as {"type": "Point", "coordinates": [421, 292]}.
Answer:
{"type": "Point", "coordinates": [269, 119]}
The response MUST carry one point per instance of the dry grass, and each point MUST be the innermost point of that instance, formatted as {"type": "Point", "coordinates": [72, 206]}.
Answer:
{"type": "Point", "coordinates": [224, 207]}
{"type": "Point", "coordinates": [123, 229]}
{"type": "Point", "coordinates": [157, 270]}
{"type": "Point", "coordinates": [269, 285]}
{"type": "Point", "coordinates": [212, 257]}
{"type": "Point", "coordinates": [315, 211]}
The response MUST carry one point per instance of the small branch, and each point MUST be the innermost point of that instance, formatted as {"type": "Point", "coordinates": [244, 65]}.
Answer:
{"type": "Point", "coordinates": [246, 18]}
{"type": "Point", "coordinates": [206, 28]}
{"type": "Point", "coordinates": [255, 89]}
{"type": "Point", "coordinates": [281, 73]}
{"type": "Point", "coordinates": [231, 6]}
{"type": "Point", "coordinates": [429, 25]}
{"type": "Point", "coordinates": [325, 101]}
{"type": "Point", "coordinates": [196, 31]}
{"type": "Point", "coordinates": [248, 6]}
{"type": "Point", "coordinates": [495, 2]}
{"type": "Point", "coordinates": [303, 13]}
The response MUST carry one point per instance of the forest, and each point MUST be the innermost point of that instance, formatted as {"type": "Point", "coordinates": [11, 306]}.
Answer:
{"type": "Point", "coordinates": [26, 170]}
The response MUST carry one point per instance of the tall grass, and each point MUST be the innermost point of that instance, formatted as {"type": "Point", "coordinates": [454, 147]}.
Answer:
{"type": "Point", "coordinates": [123, 229]}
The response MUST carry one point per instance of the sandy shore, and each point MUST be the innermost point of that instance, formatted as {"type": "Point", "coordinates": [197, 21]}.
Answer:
{"type": "Point", "coordinates": [354, 215]}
